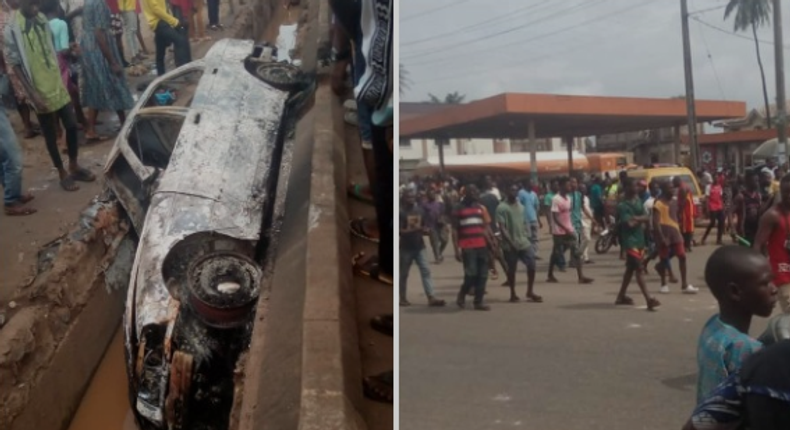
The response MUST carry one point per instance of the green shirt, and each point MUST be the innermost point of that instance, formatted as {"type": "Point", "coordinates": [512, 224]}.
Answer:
{"type": "Point", "coordinates": [632, 237]}
{"type": "Point", "coordinates": [511, 217]}
{"type": "Point", "coordinates": [44, 69]}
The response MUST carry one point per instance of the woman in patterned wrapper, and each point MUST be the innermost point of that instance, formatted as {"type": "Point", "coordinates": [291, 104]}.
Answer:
{"type": "Point", "coordinates": [105, 87]}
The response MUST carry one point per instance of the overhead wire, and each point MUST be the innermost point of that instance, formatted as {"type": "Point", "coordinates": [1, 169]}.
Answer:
{"type": "Point", "coordinates": [430, 11]}
{"type": "Point", "coordinates": [465, 43]}
{"type": "Point", "coordinates": [731, 33]}
{"type": "Point", "coordinates": [544, 35]}
{"type": "Point", "coordinates": [710, 56]}
{"type": "Point", "coordinates": [514, 14]}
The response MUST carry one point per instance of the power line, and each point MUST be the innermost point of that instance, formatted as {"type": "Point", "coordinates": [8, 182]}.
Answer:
{"type": "Point", "coordinates": [712, 63]}
{"type": "Point", "coordinates": [462, 44]}
{"type": "Point", "coordinates": [722, 30]}
{"type": "Point", "coordinates": [514, 14]}
{"type": "Point", "coordinates": [430, 11]}
{"type": "Point", "coordinates": [552, 33]}
{"type": "Point", "coordinates": [696, 12]}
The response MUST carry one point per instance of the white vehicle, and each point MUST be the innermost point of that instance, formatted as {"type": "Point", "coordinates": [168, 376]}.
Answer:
{"type": "Point", "coordinates": [198, 179]}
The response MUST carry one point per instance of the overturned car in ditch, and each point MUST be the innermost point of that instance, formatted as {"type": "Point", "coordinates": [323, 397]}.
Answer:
{"type": "Point", "coordinates": [197, 176]}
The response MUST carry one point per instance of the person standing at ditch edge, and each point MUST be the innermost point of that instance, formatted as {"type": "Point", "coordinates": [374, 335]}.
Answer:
{"type": "Point", "coordinates": [30, 52]}
{"type": "Point", "coordinates": [773, 235]}
{"type": "Point", "coordinates": [168, 30]}
{"type": "Point", "coordinates": [412, 248]}
{"type": "Point", "coordinates": [563, 233]}
{"type": "Point", "coordinates": [471, 235]}
{"type": "Point", "coordinates": [515, 244]}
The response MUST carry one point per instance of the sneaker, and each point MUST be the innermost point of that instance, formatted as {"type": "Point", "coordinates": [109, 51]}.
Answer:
{"type": "Point", "coordinates": [404, 302]}
{"type": "Point", "coordinates": [351, 118]}
{"type": "Point", "coordinates": [434, 302]}
{"type": "Point", "coordinates": [664, 289]}
{"type": "Point", "coordinates": [482, 307]}
{"type": "Point", "coordinates": [690, 289]}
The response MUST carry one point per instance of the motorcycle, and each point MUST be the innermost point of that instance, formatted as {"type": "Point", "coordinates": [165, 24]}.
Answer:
{"type": "Point", "coordinates": [608, 238]}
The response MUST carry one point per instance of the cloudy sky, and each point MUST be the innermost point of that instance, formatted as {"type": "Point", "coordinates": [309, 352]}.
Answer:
{"type": "Point", "coordinates": [582, 47]}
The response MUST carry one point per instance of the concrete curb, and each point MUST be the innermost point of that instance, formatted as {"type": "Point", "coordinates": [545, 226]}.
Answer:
{"type": "Point", "coordinates": [306, 371]}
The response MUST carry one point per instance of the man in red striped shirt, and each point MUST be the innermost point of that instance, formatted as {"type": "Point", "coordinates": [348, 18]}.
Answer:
{"type": "Point", "coordinates": [471, 235]}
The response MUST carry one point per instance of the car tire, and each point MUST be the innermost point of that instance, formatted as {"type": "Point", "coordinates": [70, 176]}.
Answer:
{"type": "Point", "coordinates": [283, 76]}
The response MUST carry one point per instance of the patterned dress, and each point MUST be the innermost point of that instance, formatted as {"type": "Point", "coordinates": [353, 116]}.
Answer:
{"type": "Point", "coordinates": [102, 89]}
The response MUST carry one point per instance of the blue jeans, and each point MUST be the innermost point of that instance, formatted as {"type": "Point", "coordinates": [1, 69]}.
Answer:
{"type": "Point", "coordinates": [475, 272]}
{"type": "Point", "coordinates": [419, 257]}
{"type": "Point", "coordinates": [10, 161]}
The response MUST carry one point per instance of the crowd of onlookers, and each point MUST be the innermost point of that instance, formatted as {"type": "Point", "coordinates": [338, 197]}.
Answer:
{"type": "Point", "coordinates": [743, 382]}
{"type": "Point", "coordinates": [66, 61]}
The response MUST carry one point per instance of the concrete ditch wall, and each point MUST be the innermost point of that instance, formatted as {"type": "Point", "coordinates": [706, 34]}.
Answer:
{"type": "Point", "coordinates": [304, 370]}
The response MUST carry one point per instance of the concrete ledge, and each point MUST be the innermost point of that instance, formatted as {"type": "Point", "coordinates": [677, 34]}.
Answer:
{"type": "Point", "coordinates": [304, 370]}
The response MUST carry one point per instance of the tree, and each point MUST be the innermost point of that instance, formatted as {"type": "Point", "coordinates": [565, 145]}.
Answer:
{"type": "Point", "coordinates": [453, 98]}
{"type": "Point", "coordinates": [750, 14]}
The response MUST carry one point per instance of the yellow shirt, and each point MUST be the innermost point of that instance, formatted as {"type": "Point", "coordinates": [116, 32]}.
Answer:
{"type": "Point", "coordinates": [155, 11]}
{"type": "Point", "coordinates": [127, 5]}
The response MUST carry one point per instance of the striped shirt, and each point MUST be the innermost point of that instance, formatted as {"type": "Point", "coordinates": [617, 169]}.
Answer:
{"type": "Point", "coordinates": [472, 221]}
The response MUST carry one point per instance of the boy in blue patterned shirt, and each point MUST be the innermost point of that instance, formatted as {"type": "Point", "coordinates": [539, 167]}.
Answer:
{"type": "Point", "coordinates": [740, 280]}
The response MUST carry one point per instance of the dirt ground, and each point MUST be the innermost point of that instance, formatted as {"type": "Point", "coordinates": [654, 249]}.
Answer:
{"type": "Point", "coordinates": [58, 210]}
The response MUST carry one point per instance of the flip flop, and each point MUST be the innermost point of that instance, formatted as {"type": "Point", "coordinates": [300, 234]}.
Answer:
{"type": "Point", "coordinates": [19, 210]}
{"type": "Point", "coordinates": [68, 184]}
{"type": "Point", "coordinates": [534, 299]}
{"type": "Point", "coordinates": [357, 227]}
{"type": "Point", "coordinates": [368, 268]}
{"type": "Point", "coordinates": [378, 387]}
{"type": "Point", "coordinates": [355, 192]}
{"type": "Point", "coordinates": [83, 175]}
{"type": "Point", "coordinates": [382, 324]}
{"type": "Point", "coordinates": [652, 304]}
{"type": "Point", "coordinates": [625, 301]}
{"type": "Point", "coordinates": [96, 139]}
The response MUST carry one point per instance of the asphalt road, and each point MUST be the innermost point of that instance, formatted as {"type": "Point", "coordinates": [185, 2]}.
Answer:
{"type": "Point", "coordinates": [574, 361]}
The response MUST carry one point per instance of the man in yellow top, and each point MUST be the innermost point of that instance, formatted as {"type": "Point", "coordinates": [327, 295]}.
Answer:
{"type": "Point", "coordinates": [168, 30]}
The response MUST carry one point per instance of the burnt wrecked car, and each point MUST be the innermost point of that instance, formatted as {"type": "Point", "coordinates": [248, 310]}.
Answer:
{"type": "Point", "coordinates": [196, 168]}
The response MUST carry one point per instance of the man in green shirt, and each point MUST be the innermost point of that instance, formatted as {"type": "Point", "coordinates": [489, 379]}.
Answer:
{"type": "Point", "coordinates": [30, 52]}
{"type": "Point", "coordinates": [515, 243]}
{"type": "Point", "coordinates": [632, 218]}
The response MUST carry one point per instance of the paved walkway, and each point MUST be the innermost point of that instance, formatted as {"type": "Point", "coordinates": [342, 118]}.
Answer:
{"type": "Point", "coordinates": [575, 361]}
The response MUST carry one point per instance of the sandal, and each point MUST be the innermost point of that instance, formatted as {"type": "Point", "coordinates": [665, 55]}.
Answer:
{"type": "Point", "coordinates": [19, 210]}
{"type": "Point", "coordinates": [357, 227]}
{"type": "Point", "coordinates": [356, 193]}
{"type": "Point", "coordinates": [96, 138]}
{"type": "Point", "coordinates": [382, 324]}
{"type": "Point", "coordinates": [379, 387]}
{"type": "Point", "coordinates": [369, 267]}
{"type": "Point", "coordinates": [83, 175]}
{"type": "Point", "coordinates": [534, 298]}
{"type": "Point", "coordinates": [625, 300]}
{"type": "Point", "coordinates": [68, 184]}
{"type": "Point", "coordinates": [652, 304]}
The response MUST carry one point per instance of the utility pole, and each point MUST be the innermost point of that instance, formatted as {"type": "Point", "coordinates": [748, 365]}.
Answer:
{"type": "Point", "coordinates": [690, 110]}
{"type": "Point", "coordinates": [779, 60]}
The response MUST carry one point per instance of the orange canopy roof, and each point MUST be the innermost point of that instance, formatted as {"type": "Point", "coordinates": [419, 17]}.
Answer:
{"type": "Point", "coordinates": [507, 116]}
